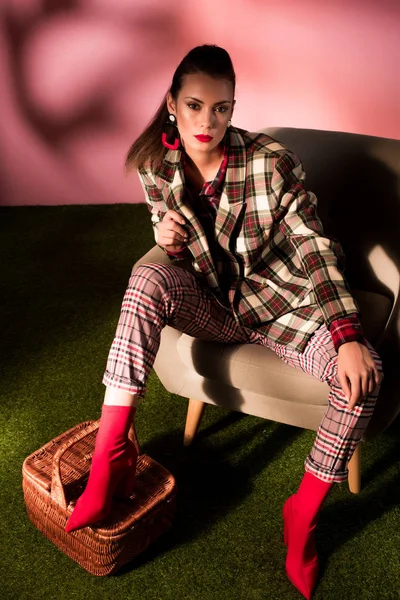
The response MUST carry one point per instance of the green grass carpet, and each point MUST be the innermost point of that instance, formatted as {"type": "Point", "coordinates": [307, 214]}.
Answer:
{"type": "Point", "coordinates": [63, 274]}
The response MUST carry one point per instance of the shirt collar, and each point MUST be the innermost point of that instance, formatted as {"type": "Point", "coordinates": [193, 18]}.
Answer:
{"type": "Point", "coordinates": [210, 188]}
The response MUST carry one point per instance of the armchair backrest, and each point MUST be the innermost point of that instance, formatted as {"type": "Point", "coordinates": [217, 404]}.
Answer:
{"type": "Point", "coordinates": [356, 179]}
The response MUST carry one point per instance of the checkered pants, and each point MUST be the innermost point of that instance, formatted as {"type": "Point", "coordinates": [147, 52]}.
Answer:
{"type": "Point", "coordinates": [159, 295]}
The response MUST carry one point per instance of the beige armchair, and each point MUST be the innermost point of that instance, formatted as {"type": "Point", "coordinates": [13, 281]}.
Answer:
{"type": "Point", "coordinates": [356, 179]}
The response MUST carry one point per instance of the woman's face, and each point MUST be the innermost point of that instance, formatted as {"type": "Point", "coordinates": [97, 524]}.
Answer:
{"type": "Point", "coordinates": [203, 108]}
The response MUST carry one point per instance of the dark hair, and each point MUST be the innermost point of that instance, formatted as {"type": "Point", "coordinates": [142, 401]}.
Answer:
{"type": "Point", "coordinates": [209, 59]}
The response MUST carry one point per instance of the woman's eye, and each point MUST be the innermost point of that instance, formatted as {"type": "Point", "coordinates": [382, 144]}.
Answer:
{"type": "Point", "coordinates": [193, 106]}
{"type": "Point", "coordinates": [222, 109]}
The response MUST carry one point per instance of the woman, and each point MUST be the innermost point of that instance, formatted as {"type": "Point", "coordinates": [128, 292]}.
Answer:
{"type": "Point", "coordinates": [234, 203]}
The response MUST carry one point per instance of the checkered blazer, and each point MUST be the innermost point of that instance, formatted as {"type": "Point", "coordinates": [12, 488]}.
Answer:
{"type": "Point", "coordinates": [286, 278]}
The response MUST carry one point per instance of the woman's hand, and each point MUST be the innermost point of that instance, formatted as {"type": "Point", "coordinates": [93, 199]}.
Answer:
{"type": "Point", "coordinates": [171, 235]}
{"type": "Point", "coordinates": [357, 372]}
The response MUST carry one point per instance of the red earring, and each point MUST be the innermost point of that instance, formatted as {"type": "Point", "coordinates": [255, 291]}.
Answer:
{"type": "Point", "coordinates": [170, 135]}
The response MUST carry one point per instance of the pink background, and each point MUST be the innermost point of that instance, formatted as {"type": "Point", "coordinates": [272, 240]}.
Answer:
{"type": "Point", "coordinates": [80, 79]}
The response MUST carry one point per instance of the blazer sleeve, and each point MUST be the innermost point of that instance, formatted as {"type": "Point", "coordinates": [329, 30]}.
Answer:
{"type": "Point", "coordinates": [157, 208]}
{"type": "Point", "coordinates": [154, 200]}
{"type": "Point", "coordinates": [320, 256]}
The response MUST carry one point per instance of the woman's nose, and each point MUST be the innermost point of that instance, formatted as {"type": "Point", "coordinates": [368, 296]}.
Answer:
{"type": "Point", "coordinates": [208, 118]}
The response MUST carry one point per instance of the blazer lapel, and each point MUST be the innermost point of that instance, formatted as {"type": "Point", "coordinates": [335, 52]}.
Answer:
{"type": "Point", "coordinates": [172, 184]}
{"type": "Point", "coordinates": [232, 200]}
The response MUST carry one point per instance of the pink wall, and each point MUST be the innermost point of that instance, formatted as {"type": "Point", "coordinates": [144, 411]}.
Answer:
{"type": "Point", "coordinates": [79, 80]}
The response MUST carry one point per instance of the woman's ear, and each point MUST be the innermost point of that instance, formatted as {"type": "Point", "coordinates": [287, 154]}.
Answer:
{"type": "Point", "coordinates": [171, 104]}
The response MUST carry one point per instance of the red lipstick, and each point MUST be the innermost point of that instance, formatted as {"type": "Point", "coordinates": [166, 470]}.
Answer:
{"type": "Point", "coordinates": [204, 138]}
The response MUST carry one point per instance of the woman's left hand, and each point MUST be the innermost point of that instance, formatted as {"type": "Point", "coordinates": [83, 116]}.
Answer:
{"type": "Point", "coordinates": [357, 372]}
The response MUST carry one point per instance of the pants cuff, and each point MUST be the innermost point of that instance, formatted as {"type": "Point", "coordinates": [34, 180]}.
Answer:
{"type": "Point", "coordinates": [324, 474]}
{"type": "Point", "coordinates": [121, 383]}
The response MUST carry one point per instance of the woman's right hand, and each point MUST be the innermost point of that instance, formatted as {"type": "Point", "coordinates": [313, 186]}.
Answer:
{"type": "Point", "coordinates": [171, 234]}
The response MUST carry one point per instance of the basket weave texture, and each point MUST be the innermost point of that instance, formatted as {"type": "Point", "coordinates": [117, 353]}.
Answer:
{"type": "Point", "coordinates": [55, 476]}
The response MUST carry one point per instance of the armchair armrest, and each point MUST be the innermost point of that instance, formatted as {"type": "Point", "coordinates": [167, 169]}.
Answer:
{"type": "Point", "coordinates": [155, 255]}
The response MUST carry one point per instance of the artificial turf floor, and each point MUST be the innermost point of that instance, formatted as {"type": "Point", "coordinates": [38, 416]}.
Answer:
{"type": "Point", "coordinates": [63, 274]}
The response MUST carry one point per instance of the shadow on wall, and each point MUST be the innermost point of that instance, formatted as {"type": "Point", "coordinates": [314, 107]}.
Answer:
{"type": "Point", "coordinates": [69, 90]}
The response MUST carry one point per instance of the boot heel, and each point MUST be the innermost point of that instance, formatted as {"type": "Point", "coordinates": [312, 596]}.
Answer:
{"type": "Point", "coordinates": [125, 487]}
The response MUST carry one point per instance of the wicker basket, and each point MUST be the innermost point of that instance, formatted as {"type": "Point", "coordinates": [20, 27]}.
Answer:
{"type": "Point", "coordinates": [55, 476]}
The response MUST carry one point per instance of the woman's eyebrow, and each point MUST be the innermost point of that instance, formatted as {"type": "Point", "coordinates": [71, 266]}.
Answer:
{"type": "Point", "coordinates": [201, 101]}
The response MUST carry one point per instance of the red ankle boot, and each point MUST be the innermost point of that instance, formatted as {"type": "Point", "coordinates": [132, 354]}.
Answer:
{"type": "Point", "coordinates": [300, 514]}
{"type": "Point", "coordinates": [113, 468]}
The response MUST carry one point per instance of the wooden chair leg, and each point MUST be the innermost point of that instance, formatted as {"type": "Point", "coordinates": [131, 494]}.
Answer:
{"type": "Point", "coordinates": [354, 478]}
{"type": "Point", "coordinates": [194, 414]}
